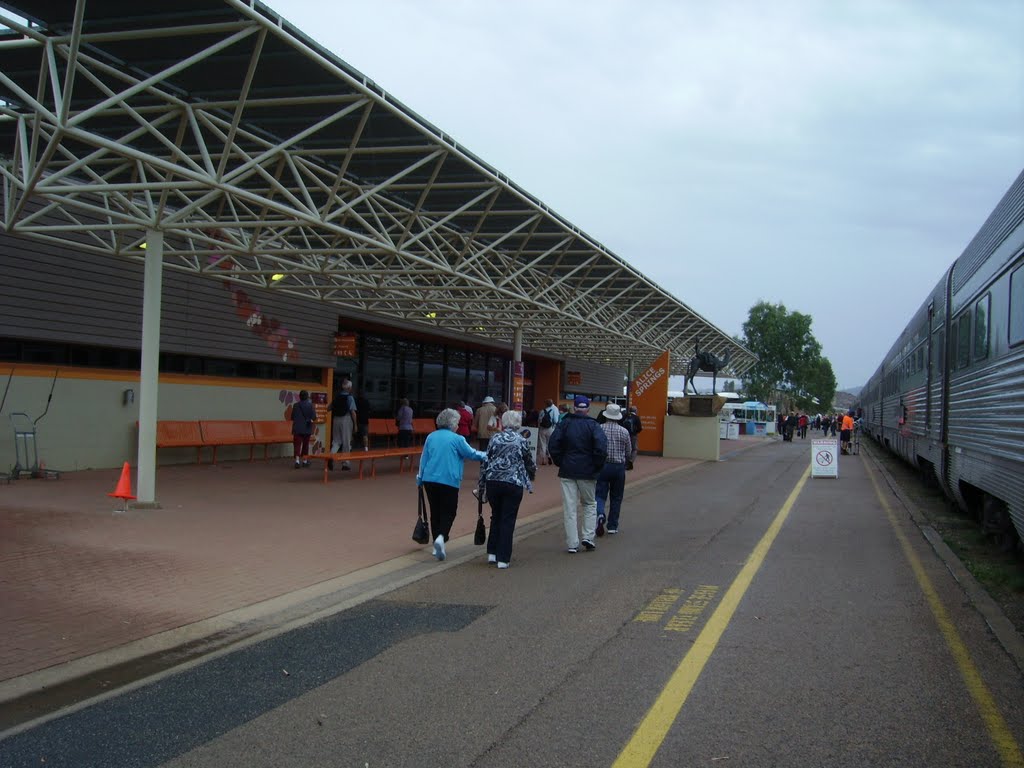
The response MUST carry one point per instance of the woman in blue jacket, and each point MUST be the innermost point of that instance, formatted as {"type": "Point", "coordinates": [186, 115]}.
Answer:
{"type": "Point", "coordinates": [444, 453]}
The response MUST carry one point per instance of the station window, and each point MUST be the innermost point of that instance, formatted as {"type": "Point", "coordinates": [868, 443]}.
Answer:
{"type": "Point", "coordinates": [1016, 331]}
{"type": "Point", "coordinates": [115, 358]}
{"type": "Point", "coordinates": [981, 327]}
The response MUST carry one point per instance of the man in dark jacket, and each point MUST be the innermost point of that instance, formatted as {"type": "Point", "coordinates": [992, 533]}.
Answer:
{"type": "Point", "coordinates": [578, 447]}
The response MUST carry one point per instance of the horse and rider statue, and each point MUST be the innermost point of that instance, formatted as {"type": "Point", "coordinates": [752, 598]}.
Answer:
{"type": "Point", "coordinates": [708, 362]}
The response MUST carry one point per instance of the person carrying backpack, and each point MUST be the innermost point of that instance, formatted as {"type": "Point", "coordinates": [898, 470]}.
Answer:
{"type": "Point", "coordinates": [634, 426]}
{"type": "Point", "coordinates": [343, 422]}
{"type": "Point", "coordinates": [545, 426]}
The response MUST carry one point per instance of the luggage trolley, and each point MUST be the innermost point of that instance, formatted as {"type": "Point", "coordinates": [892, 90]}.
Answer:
{"type": "Point", "coordinates": [24, 439]}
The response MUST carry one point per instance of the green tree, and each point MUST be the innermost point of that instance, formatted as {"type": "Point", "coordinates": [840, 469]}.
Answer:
{"type": "Point", "coordinates": [819, 384]}
{"type": "Point", "coordinates": [791, 366]}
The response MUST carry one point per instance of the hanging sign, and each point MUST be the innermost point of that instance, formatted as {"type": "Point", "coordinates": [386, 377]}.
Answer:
{"type": "Point", "coordinates": [344, 345]}
{"type": "Point", "coordinates": [518, 383]}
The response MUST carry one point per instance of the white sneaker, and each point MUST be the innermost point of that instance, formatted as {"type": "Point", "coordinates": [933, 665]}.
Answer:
{"type": "Point", "coordinates": [502, 566]}
{"type": "Point", "coordinates": [439, 547]}
{"type": "Point", "coordinates": [492, 558]}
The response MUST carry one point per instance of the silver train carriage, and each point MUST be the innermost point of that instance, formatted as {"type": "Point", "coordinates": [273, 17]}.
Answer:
{"type": "Point", "coordinates": [949, 395]}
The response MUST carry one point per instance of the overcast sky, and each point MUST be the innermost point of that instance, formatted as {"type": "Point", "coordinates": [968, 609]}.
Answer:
{"type": "Point", "coordinates": [835, 157]}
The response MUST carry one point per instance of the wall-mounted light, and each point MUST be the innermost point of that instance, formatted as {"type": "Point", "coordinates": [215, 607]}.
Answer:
{"type": "Point", "coordinates": [128, 396]}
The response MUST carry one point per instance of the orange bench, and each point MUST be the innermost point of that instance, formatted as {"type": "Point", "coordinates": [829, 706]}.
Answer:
{"type": "Point", "coordinates": [423, 427]}
{"type": "Point", "coordinates": [378, 453]}
{"type": "Point", "coordinates": [223, 432]}
{"type": "Point", "coordinates": [266, 433]}
{"type": "Point", "coordinates": [218, 432]}
{"type": "Point", "coordinates": [386, 427]}
{"type": "Point", "coordinates": [179, 434]}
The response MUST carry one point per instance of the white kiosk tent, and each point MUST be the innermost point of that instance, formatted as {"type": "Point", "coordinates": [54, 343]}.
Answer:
{"type": "Point", "coordinates": [212, 136]}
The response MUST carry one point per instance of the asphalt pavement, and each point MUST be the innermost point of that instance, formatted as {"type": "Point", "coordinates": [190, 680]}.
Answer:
{"type": "Point", "coordinates": [745, 615]}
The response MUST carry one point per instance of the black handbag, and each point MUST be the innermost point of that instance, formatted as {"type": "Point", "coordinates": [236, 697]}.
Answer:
{"type": "Point", "coordinates": [421, 533]}
{"type": "Point", "coordinates": [480, 537]}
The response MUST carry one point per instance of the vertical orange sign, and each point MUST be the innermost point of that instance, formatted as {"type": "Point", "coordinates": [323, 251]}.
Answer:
{"type": "Point", "coordinates": [518, 385]}
{"type": "Point", "coordinates": [649, 393]}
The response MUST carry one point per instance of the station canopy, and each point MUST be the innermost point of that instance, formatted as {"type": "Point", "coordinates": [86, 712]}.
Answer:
{"type": "Point", "coordinates": [267, 160]}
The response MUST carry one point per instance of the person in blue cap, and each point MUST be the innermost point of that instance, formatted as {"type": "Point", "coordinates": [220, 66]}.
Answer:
{"type": "Point", "coordinates": [578, 447]}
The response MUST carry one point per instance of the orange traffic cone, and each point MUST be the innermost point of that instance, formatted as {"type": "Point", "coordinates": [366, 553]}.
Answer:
{"type": "Point", "coordinates": [123, 490]}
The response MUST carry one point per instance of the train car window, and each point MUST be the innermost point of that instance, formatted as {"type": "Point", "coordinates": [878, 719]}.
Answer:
{"type": "Point", "coordinates": [952, 335]}
{"type": "Point", "coordinates": [920, 358]}
{"type": "Point", "coordinates": [1017, 306]}
{"type": "Point", "coordinates": [963, 341]}
{"type": "Point", "coordinates": [981, 327]}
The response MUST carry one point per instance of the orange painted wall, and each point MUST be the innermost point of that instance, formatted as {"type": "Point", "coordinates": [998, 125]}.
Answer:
{"type": "Point", "coordinates": [547, 381]}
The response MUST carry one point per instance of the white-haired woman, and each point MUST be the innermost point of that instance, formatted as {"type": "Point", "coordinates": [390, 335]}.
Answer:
{"type": "Point", "coordinates": [509, 468]}
{"type": "Point", "coordinates": [444, 452]}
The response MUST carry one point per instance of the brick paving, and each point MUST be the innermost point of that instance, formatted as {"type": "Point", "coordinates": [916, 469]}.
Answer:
{"type": "Point", "coordinates": [77, 577]}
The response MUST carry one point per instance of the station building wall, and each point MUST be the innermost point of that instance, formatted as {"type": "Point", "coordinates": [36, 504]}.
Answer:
{"type": "Point", "coordinates": [90, 426]}
{"type": "Point", "coordinates": [227, 352]}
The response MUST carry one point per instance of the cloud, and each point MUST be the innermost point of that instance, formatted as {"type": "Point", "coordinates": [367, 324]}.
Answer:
{"type": "Point", "coordinates": [835, 157]}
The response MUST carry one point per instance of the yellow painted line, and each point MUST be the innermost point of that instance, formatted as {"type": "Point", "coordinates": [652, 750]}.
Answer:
{"type": "Point", "coordinates": [998, 731]}
{"type": "Point", "coordinates": [651, 732]}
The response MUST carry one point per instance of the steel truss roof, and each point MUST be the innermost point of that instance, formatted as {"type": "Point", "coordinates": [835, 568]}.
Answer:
{"type": "Point", "coordinates": [268, 160]}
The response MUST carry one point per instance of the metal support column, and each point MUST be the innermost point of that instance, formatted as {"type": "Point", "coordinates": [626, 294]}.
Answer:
{"type": "Point", "coordinates": [148, 384]}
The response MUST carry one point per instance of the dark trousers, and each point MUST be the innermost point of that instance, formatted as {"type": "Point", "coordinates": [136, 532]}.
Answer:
{"type": "Point", "coordinates": [444, 504]}
{"type": "Point", "coordinates": [504, 499]}
{"type": "Point", "coordinates": [404, 438]}
{"type": "Point", "coordinates": [301, 445]}
{"type": "Point", "coordinates": [611, 482]}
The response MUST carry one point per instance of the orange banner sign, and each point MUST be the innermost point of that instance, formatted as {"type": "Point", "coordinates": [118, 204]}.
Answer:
{"type": "Point", "coordinates": [649, 393]}
{"type": "Point", "coordinates": [518, 385]}
{"type": "Point", "coordinates": [345, 345]}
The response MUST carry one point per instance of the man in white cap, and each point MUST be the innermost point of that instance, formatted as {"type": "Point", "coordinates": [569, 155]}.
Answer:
{"type": "Point", "coordinates": [578, 447]}
{"type": "Point", "coordinates": [481, 422]}
{"type": "Point", "coordinates": [613, 474]}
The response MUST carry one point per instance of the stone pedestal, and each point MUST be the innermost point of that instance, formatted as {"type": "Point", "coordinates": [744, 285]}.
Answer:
{"type": "Point", "coordinates": [691, 437]}
{"type": "Point", "coordinates": [697, 405]}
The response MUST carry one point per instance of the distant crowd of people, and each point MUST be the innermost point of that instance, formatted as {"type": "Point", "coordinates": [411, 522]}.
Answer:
{"type": "Point", "coordinates": [796, 424]}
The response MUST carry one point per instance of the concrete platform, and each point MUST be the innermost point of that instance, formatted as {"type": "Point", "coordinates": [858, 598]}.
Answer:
{"type": "Point", "coordinates": [86, 588]}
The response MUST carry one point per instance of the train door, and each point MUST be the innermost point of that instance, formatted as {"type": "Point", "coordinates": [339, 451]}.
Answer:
{"type": "Point", "coordinates": [928, 373]}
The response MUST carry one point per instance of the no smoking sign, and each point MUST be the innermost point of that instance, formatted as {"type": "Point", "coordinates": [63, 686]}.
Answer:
{"type": "Point", "coordinates": [825, 458]}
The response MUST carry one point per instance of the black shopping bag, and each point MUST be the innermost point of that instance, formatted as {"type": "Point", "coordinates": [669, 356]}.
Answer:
{"type": "Point", "coordinates": [480, 537]}
{"type": "Point", "coordinates": [421, 533]}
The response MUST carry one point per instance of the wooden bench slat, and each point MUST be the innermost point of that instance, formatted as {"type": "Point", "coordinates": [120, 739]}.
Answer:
{"type": "Point", "coordinates": [224, 432]}
{"type": "Point", "coordinates": [269, 432]}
